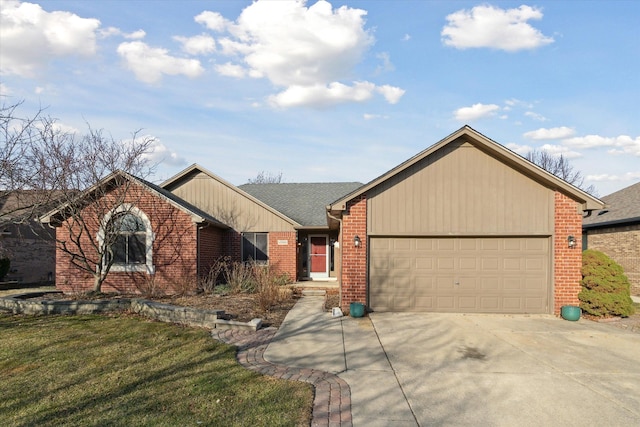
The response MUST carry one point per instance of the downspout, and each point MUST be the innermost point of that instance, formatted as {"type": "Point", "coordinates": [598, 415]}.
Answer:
{"type": "Point", "coordinates": [198, 241]}
{"type": "Point", "coordinates": [341, 249]}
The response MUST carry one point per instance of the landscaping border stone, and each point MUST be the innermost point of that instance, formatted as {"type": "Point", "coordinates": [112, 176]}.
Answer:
{"type": "Point", "coordinates": [27, 303]}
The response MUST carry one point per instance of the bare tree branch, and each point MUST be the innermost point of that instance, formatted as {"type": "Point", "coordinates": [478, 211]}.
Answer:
{"type": "Point", "coordinates": [560, 167]}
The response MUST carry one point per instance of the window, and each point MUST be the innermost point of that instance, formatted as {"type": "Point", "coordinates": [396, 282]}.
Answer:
{"type": "Point", "coordinates": [128, 237]}
{"type": "Point", "coordinates": [128, 233]}
{"type": "Point", "coordinates": [255, 247]}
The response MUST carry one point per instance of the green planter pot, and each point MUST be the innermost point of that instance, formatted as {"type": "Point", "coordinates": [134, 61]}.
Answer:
{"type": "Point", "coordinates": [356, 309]}
{"type": "Point", "coordinates": [570, 312]}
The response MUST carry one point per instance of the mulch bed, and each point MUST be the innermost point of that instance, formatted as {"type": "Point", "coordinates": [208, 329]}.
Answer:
{"type": "Point", "coordinates": [238, 307]}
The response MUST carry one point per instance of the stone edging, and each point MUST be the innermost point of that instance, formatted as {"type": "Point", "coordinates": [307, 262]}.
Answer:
{"type": "Point", "coordinates": [332, 401]}
{"type": "Point", "coordinates": [189, 316]}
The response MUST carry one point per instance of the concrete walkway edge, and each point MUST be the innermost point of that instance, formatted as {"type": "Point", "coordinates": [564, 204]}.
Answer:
{"type": "Point", "coordinates": [332, 400]}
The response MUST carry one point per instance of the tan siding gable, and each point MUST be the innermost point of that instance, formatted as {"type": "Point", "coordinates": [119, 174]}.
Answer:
{"type": "Point", "coordinates": [228, 204]}
{"type": "Point", "coordinates": [459, 189]}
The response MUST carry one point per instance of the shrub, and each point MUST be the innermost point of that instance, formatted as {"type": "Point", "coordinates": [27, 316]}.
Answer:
{"type": "Point", "coordinates": [214, 276]}
{"type": "Point", "coordinates": [605, 288]}
{"type": "Point", "coordinates": [239, 277]}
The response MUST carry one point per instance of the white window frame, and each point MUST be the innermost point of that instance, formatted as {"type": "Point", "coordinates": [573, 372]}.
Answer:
{"type": "Point", "coordinates": [148, 266]}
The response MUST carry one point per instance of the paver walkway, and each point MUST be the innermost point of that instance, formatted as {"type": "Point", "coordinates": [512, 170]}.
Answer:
{"type": "Point", "coordinates": [332, 401]}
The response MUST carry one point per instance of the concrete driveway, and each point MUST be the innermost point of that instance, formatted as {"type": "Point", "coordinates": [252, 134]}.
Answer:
{"type": "Point", "coordinates": [453, 369]}
{"type": "Point", "coordinates": [468, 370]}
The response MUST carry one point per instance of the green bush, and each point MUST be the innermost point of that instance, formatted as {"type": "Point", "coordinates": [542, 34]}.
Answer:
{"type": "Point", "coordinates": [5, 264]}
{"type": "Point", "coordinates": [605, 288]}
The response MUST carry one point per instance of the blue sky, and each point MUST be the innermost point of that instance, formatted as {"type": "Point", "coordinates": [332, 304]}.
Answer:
{"type": "Point", "coordinates": [333, 91]}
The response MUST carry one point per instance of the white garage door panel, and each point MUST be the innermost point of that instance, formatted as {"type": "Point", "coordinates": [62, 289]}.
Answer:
{"type": "Point", "coordinates": [482, 275]}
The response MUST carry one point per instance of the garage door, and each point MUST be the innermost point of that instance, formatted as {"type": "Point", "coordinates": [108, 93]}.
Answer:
{"type": "Point", "coordinates": [473, 275]}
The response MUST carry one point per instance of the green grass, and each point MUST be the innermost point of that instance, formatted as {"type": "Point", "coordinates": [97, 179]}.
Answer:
{"type": "Point", "coordinates": [95, 370]}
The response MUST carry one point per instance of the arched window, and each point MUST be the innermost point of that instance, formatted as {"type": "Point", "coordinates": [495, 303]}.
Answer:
{"type": "Point", "coordinates": [127, 240]}
{"type": "Point", "coordinates": [127, 237]}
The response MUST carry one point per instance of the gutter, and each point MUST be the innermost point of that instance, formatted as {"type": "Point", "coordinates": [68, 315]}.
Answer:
{"type": "Point", "coordinates": [630, 221]}
{"type": "Point", "coordinates": [341, 249]}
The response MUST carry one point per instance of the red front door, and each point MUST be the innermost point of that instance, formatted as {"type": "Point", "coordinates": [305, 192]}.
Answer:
{"type": "Point", "coordinates": [318, 255]}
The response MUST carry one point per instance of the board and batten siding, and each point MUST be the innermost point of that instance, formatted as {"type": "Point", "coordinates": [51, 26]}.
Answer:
{"type": "Point", "coordinates": [228, 205]}
{"type": "Point", "coordinates": [460, 190]}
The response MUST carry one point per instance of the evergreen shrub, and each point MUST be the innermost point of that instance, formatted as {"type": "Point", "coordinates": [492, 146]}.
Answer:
{"type": "Point", "coordinates": [605, 288]}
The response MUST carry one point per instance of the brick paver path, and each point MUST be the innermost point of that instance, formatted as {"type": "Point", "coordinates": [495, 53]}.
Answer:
{"type": "Point", "coordinates": [332, 401]}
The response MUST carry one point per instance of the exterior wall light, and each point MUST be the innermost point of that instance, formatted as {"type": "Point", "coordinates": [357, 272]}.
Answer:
{"type": "Point", "coordinates": [572, 241]}
{"type": "Point", "coordinates": [356, 241]}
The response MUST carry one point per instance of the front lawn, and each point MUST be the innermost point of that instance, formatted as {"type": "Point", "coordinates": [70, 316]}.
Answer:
{"type": "Point", "coordinates": [119, 370]}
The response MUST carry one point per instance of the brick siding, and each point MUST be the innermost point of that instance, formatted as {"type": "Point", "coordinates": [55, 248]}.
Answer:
{"type": "Point", "coordinates": [354, 259]}
{"type": "Point", "coordinates": [210, 248]}
{"type": "Point", "coordinates": [282, 257]}
{"type": "Point", "coordinates": [622, 244]}
{"type": "Point", "coordinates": [174, 250]}
{"type": "Point", "coordinates": [567, 261]}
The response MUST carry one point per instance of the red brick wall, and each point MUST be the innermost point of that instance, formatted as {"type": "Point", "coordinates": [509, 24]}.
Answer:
{"type": "Point", "coordinates": [567, 261]}
{"type": "Point", "coordinates": [622, 244]}
{"type": "Point", "coordinates": [232, 242]}
{"type": "Point", "coordinates": [354, 259]}
{"type": "Point", "coordinates": [210, 247]}
{"type": "Point", "coordinates": [174, 249]}
{"type": "Point", "coordinates": [282, 257]}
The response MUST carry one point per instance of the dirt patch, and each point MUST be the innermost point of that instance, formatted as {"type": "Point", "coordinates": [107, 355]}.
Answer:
{"type": "Point", "coordinates": [631, 323]}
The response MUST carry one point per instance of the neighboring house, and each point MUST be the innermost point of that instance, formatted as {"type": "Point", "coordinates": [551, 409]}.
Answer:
{"type": "Point", "coordinates": [615, 230]}
{"type": "Point", "coordinates": [464, 226]}
{"type": "Point", "coordinates": [29, 246]}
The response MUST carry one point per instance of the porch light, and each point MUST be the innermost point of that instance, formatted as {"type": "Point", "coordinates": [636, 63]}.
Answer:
{"type": "Point", "coordinates": [356, 241]}
{"type": "Point", "coordinates": [572, 241]}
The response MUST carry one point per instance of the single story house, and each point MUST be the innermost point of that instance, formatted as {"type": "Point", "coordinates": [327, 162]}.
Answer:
{"type": "Point", "coordinates": [615, 230]}
{"type": "Point", "coordinates": [464, 226]}
{"type": "Point", "coordinates": [29, 247]}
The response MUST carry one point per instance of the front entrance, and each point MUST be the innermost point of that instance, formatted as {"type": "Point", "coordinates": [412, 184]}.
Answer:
{"type": "Point", "coordinates": [318, 256]}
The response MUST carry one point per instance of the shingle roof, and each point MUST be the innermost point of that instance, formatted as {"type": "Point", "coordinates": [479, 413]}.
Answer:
{"type": "Point", "coordinates": [305, 203]}
{"type": "Point", "coordinates": [622, 206]}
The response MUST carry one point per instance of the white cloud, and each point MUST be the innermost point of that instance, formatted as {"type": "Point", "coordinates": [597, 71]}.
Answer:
{"type": "Point", "coordinates": [391, 93]}
{"type": "Point", "coordinates": [492, 27]}
{"type": "Point", "coordinates": [557, 150]}
{"type": "Point", "coordinates": [629, 176]}
{"type": "Point", "coordinates": [213, 21]}
{"type": "Point", "coordinates": [197, 45]}
{"type": "Point", "coordinates": [535, 116]}
{"type": "Point", "coordinates": [32, 37]}
{"type": "Point", "coordinates": [149, 63]}
{"type": "Point", "coordinates": [406, 37]}
{"type": "Point", "coordinates": [552, 133]}
{"type": "Point", "coordinates": [231, 70]}
{"type": "Point", "coordinates": [160, 153]}
{"type": "Point", "coordinates": [367, 116]}
{"type": "Point", "coordinates": [322, 96]}
{"type": "Point", "coordinates": [305, 50]}
{"type": "Point", "coordinates": [476, 111]}
{"type": "Point", "coordinates": [4, 89]}
{"type": "Point", "coordinates": [520, 149]}
{"type": "Point", "coordinates": [622, 144]}
{"type": "Point", "coordinates": [113, 31]}
{"type": "Point", "coordinates": [386, 65]}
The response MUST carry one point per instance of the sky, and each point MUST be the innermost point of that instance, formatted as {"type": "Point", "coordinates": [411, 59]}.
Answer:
{"type": "Point", "coordinates": [333, 91]}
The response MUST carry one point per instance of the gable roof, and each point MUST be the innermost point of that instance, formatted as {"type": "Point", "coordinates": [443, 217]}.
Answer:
{"type": "Point", "coordinates": [496, 150]}
{"type": "Point", "coordinates": [195, 168]}
{"type": "Point", "coordinates": [303, 202]}
{"type": "Point", "coordinates": [197, 215]}
{"type": "Point", "coordinates": [623, 206]}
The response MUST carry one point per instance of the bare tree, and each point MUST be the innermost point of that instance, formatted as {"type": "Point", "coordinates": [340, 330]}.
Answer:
{"type": "Point", "coordinates": [266, 178]}
{"type": "Point", "coordinates": [560, 167]}
{"type": "Point", "coordinates": [92, 179]}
